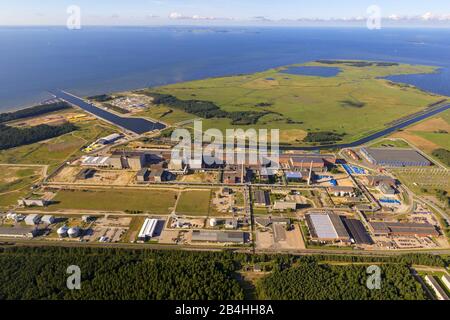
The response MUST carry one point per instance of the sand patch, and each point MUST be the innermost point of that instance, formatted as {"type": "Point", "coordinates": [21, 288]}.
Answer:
{"type": "Point", "coordinates": [419, 142]}
{"type": "Point", "coordinates": [431, 126]}
{"type": "Point", "coordinates": [292, 135]}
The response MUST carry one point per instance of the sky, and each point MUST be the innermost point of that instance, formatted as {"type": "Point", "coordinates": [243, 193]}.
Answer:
{"type": "Point", "coordinates": [225, 12]}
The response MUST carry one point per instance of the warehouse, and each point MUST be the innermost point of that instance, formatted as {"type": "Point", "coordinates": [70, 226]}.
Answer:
{"type": "Point", "coordinates": [326, 227]}
{"type": "Point", "coordinates": [342, 191]}
{"type": "Point", "coordinates": [235, 237]}
{"type": "Point", "coordinates": [262, 198]}
{"type": "Point", "coordinates": [148, 229]}
{"type": "Point", "coordinates": [32, 219]}
{"type": "Point", "coordinates": [18, 232]}
{"type": "Point", "coordinates": [438, 291]}
{"type": "Point", "coordinates": [374, 181]}
{"type": "Point", "coordinates": [95, 161]}
{"type": "Point", "coordinates": [128, 160]}
{"type": "Point", "coordinates": [403, 229]}
{"type": "Point", "coordinates": [357, 231]}
{"type": "Point", "coordinates": [395, 157]}
{"type": "Point", "coordinates": [305, 163]}
{"type": "Point", "coordinates": [32, 202]}
{"type": "Point", "coordinates": [48, 219]}
{"type": "Point", "coordinates": [109, 139]}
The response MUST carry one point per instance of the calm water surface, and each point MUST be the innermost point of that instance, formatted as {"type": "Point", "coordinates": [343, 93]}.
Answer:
{"type": "Point", "coordinates": [100, 59]}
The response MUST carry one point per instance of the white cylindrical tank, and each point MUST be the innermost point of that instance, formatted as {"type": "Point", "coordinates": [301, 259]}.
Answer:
{"type": "Point", "coordinates": [213, 222]}
{"type": "Point", "coordinates": [62, 232]}
{"type": "Point", "coordinates": [73, 232]}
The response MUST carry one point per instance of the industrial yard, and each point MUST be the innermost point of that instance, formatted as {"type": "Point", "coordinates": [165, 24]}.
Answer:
{"type": "Point", "coordinates": [112, 186]}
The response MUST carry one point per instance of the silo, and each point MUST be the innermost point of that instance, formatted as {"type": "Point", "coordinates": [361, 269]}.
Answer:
{"type": "Point", "coordinates": [73, 232]}
{"type": "Point", "coordinates": [212, 222]}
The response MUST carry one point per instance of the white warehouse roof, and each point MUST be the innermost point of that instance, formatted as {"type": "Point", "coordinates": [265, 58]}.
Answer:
{"type": "Point", "coordinates": [148, 228]}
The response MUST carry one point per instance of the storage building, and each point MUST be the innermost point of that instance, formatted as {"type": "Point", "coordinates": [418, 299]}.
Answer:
{"type": "Point", "coordinates": [32, 219]}
{"type": "Point", "coordinates": [395, 157]}
{"type": "Point", "coordinates": [148, 229]}
{"type": "Point", "coordinates": [48, 219]}
{"type": "Point", "coordinates": [326, 227]}
{"type": "Point", "coordinates": [403, 229]}
{"type": "Point", "coordinates": [262, 198]}
{"type": "Point", "coordinates": [357, 231]}
{"type": "Point", "coordinates": [235, 237]}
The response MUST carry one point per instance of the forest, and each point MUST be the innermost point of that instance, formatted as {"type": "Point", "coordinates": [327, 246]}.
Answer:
{"type": "Point", "coordinates": [11, 137]}
{"type": "Point", "coordinates": [206, 109]}
{"type": "Point", "coordinates": [323, 137]}
{"type": "Point", "coordinates": [40, 273]}
{"type": "Point", "coordinates": [33, 111]}
{"type": "Point", "coordinates": [313, 281]}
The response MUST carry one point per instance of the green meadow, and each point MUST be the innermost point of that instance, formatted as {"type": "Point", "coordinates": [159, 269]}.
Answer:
{"type": "Point", "coordinates": [356, 102]}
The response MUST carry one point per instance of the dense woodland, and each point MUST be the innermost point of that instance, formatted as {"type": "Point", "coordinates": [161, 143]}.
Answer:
{"type": "Point", "coordinates": [312, 281]}
{"type": "Point", "coordinates": [206, 109]}
{"type": "Point", "coordinates": [33, 111]}
{"type": "Point", "coordinates": [40, 273]}
{"type": "Point", "coordinates": [11, 137]}
{"type": "Point", "coordinates": [323, 137]}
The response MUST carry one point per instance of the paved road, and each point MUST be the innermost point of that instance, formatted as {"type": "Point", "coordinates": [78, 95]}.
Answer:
{"type": "Point", "coordinates": [42, 243]}
{"type": "Point", "coordinates": [136, 125]}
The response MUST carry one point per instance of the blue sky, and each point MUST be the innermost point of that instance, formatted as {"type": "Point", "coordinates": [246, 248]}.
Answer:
{"type": "Point", "coordinates": [223, 12]}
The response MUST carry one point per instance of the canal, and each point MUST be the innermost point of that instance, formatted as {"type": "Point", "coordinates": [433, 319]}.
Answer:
{"type": "Point", "coordinates": [136, 125]}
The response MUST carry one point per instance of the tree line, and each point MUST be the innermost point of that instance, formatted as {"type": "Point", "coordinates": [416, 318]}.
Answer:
{"type": "Point", "coordinates": [11, 137]}
{"type": "Point", "coordinates": [313, 281]}
{"type": "Point", "coordinates": [40, 273]}
{"type": "Point", "coordinates": [140, 274]}
{"type": "Point", "coordinates": [33, 111]}
{"type": "Point", "coordinates": [206, 109]}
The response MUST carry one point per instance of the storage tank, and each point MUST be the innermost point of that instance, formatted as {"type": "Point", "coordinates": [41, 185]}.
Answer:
{"type": "Point", "coordinates": [73, 232]}
{"type": "Point", "coordinates": [62, 232]}
{"type": "Point", "coordinates": [213, 222]}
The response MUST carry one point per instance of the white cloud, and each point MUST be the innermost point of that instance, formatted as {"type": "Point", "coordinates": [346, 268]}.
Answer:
{"type": "Point", "coordinates": [175, 15]}
{"type": "Point", "coordinates": [179, 16]}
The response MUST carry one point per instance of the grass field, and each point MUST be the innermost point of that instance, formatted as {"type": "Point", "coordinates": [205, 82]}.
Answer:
{"type": "Point", "coordinates": [306, 103]}
{"type": "Point", "coordinates": [55, 151]}
{"type": "Point", "coordinates": [430, 134]}
{"type": "Point", "coordinates": [15, 182]}
{"type": "Point", "coordinates": [194, 203]}
{"type": "Point", "coordinates": [427, 178]}
{"type": "Point", "coordinates": [390, 143]}
{"type": "Point", "coordinates": [151, 201]}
